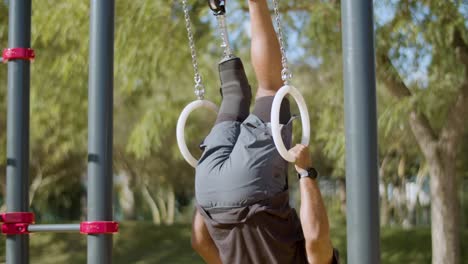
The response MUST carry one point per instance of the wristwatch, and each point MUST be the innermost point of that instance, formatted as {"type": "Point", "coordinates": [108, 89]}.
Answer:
{"type": "Point", "coordinates": [310, 172]}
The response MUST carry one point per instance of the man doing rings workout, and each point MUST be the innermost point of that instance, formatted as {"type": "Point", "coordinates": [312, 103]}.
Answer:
{"type": "Point", "coordinates": [243, 214]}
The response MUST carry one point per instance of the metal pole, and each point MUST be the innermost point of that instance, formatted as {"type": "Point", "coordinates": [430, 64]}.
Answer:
{"type": "Point", "coordinates": [361, 132]}
{"type": "Point", "coordinates": [54, 228]}
{"type": "Point", "coordinates": [19, 36]}
{"type": "Point", "coordinates": [100, 97]}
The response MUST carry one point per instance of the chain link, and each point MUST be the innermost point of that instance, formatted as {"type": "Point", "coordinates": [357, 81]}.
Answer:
{"type": "Point", "coordinates": [199, 87]}
{"type": "Point", "coordinates": [286, 74]}
{"type": "Point", "coordinates": [222, 27]}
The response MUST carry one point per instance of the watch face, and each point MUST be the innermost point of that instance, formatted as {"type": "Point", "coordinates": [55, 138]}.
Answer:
{"type": "Point", "coordinates": [312, 173]}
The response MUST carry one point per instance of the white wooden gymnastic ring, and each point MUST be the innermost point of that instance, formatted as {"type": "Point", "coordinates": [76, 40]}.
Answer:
{"type": "Point", "coordinates": [275, 120]}
{"type": "Point", "coordinates": [181, 127]}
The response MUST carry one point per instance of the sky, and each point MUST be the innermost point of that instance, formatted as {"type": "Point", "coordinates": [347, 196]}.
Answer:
{"type": "Point", "coordinates": [384, 11]}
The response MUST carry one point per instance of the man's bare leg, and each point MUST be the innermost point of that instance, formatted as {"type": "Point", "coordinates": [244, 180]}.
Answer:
{"type": "Point", "coordinates": [313, 214]}
{"type": "Point", "coordinates": [202, 242]}
{"type": "Point", "coordinates": [265, 49]}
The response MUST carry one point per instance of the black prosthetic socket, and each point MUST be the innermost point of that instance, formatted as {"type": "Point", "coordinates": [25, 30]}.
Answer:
{"type": "Point", "coordinates": [263, 106]}
{"type": "Point", "coordinates": [235, 90]}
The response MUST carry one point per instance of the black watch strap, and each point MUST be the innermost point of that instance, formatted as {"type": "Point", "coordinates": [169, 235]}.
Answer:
{"type": "Point", "coordinates": [310, 172]}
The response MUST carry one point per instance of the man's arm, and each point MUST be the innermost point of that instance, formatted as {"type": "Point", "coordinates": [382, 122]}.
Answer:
{"type": "Point", "coordinates": [313, 214]}
{"type": "Point", "coordinates": [202, 242]}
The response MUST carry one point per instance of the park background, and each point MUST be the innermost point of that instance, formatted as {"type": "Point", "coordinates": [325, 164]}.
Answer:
{"type": "Point", "coordinates": [422, 83]}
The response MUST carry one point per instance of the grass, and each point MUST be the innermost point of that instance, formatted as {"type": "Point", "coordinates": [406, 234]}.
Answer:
{"type": "Point", "coordinates": [144, 243]}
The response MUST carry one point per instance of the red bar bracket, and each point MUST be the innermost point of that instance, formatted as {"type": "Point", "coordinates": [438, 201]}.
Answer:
{"type": "Point", "coordinates": [99, 227]}
{"type": "Point", "coordinates": [16, 223]}
{"type": "Point", "coordinates": [18, 54]}
{"type": "Point", "coordinates": [17, 217]}
{"type": "Point", "coordinates": [15, 229]}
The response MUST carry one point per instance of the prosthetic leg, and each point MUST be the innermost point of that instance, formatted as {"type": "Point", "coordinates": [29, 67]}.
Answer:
{"type": "Point", "coordinates": [235, 90]}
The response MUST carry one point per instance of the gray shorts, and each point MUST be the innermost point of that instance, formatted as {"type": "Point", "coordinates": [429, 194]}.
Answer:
{"type": "Point", "coordinates": [240, 164]}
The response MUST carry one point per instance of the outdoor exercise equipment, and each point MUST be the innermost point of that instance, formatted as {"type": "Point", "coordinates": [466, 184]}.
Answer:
{"type": "Point", "coordinates": [286, 76]}
{"type": "Point", "coordinates": [360, 115]}
{"type": "Point", "coordinates": [17, 222]}
{"type": "Point", "coordinates": [219, 10]}
{"type": "Point", "coordinates": [199, 93]}
{"type": "Point", "coordinates": [362, 189]}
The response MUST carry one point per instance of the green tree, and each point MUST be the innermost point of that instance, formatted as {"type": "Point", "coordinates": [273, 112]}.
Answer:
{"type": "Point", "coordinates": [55, 136]}
{"type": "Point", "coordinates": [435, 111]}
{"type": "Point", "coordinates": [411, 36]}
{"type": "Point", "coordinates": [154, 80]}
{"type": "Point", "coordinates": [3, 80]}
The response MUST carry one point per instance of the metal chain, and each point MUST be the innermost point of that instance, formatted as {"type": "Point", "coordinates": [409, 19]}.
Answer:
{"type": "Point", "coordinates": [222, 27]}
{"type": "Point", "coordinates": [286, 74]}
{"type": "Point", "coordinates": [199, 87]}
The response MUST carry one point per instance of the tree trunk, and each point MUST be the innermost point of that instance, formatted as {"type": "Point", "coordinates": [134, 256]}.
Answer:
{"type": "Point", "coordinates": [444, 210]}
{"type": "Point", "coordinates": [152, 204]}
{"type": "Point", "coordinates": [170, 205]}
{"type": "Point", "coordinates": [162, 204]}
{"type": "Point", "coordinates": [36, 183]}
{"type": "Point", "coordinates": [342, 194]}
{"type": "Point", "coordinates": [405, 215]}
{"type": "Point", "coordinates": [440, 151]}
{"type": "Point", "coordinates": [384, 206]}
{"type": "Point", "coordinates": [441, 154]}
{"type": "Point", "coordinates": [412, 207]}
{"type": "Point", "coordinates": [397, 203]}
{"type": "Point", "coordinates": [84, 198]}
{"type": "Point", "coordinates": [126, 197]}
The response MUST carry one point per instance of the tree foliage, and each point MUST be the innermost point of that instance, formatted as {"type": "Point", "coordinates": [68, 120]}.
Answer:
{"type": "Point", "coordinates": [418, 43]}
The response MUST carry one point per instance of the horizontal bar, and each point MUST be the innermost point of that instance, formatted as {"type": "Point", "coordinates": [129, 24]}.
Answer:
{"type": "Point", "coordinates": [55, 228]}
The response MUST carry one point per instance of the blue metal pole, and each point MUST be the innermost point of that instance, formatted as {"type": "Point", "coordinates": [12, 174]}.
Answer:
{"type": "Point", "coordinates": [17, 174]}
{"type": "Point", "coordinates": [100, 97]}
{"type": "Point", "coordinates": [361, 132]}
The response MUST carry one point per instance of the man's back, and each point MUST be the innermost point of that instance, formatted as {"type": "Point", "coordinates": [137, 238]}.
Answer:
{"type": "Point", "coordinates": [268, 231]}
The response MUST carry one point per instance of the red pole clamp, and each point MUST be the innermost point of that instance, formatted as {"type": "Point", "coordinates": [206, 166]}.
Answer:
{"type": "Point", "coordinates": [15, 229]}
{"type": "Point", "coordinates": [16, 223]}
{"type": "Point", "coordinates": [99, 227]}
{"type": "Point", "coordinates": [17, 217]}
{"type": "Point", "coordinates": [18, 54]}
